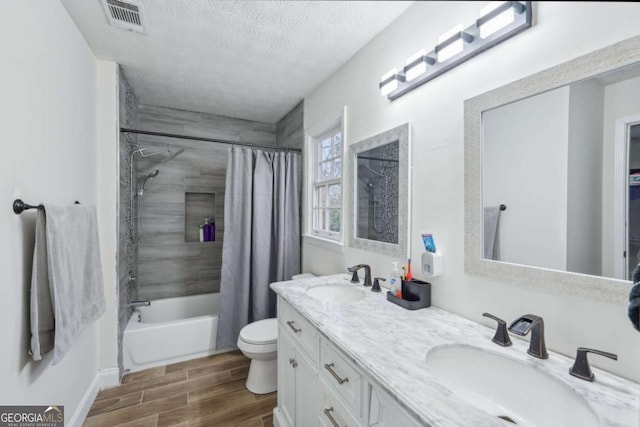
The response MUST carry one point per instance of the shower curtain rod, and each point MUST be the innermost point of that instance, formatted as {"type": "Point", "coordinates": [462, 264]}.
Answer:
{"type": "Point", "coordinates": [198, 138]}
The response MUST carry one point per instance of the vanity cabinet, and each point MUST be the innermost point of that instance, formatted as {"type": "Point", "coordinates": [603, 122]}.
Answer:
{"type": "Point", "coordinates": [298, 344]}
{"type": "Point", "coordinates": [319, 385]}
{"type": "Point", "coordinates": [297, 377]}
{"type": "Point", "coordinates": [383, 411]}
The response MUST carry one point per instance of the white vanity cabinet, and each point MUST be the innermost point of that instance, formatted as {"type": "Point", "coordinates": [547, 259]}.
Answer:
{"type": "Point", "coordinates": [383, 411]}
{"type": "Point", "coordinates": [318, 385]}
{"type": "Point", "coordinates": [298, 344]}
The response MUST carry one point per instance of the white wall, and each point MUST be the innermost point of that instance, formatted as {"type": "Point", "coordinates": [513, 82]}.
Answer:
{"type": "Point", "coordinates": [562, 31]}
{"type": "Point", "coordinates": [525, 167]}
{"type": "Point", "coordinates": [107, 187]}
{"type": "Point", "coordinates": [584, 178]}
{"type": "Point", "coordinates": [620, 100]}
{"type": "Point", "coordinates": [48, 130]}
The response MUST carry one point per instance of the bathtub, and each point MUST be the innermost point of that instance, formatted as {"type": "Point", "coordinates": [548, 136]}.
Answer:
{"type": "Point", "coordinates": [169, 331]}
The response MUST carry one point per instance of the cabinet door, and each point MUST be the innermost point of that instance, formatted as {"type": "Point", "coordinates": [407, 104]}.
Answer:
{"type": "Point", "coordinates": [306, 390]}
{"type": "Point", "coordinates": [286, 377]}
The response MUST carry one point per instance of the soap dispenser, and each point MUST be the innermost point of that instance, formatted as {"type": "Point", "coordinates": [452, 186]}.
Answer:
{"type": "Point", "coordinates": [395, 280]}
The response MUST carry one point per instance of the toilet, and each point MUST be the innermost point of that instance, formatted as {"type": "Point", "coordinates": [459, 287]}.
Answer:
{"type": "Point", "coordinates": [259, 342]}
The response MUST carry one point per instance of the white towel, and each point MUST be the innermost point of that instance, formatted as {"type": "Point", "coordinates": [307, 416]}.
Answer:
{"type": "Point", "coordinates": [491, 219]}
{"type": "Point", "coordinates": [69, 267]}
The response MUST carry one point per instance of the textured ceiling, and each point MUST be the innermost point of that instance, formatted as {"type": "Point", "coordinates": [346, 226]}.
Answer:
{"type": "Point", "coordinates": [253, 60]}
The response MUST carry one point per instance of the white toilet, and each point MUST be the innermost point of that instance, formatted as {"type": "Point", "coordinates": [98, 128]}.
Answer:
{"type": "Point", "coordinates": [259, 342]}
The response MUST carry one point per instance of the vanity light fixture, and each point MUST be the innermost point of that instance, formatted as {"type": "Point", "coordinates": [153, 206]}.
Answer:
{"type": "Point", "coordinates": [389, 82]}
{"type": "Point", "coordinates": [452, 43]}
{"type": "Point", "coordinates": [497, 15]}
{"type": "Point", "coordinates": [416, 65]}
{"type": "Point", "coordinates": [498, 22]}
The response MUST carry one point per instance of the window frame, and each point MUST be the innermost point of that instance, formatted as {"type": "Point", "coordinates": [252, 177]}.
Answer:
{"type": "Point", "coordinates": [316, 184]}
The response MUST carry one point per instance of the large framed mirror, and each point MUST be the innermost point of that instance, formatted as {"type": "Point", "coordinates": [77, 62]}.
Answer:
{"type": "Point", "coordinates": [552, 177]}
{"type": "Point", "coordinates": [378, 171]}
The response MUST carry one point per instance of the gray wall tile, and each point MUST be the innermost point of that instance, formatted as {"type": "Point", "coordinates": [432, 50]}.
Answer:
{"type": "Point", "coordinates": [127, 247]}
{"type": "Point", "coordinates": [170, 265]}
{"type": "Point", "coordinates": [289, 130]}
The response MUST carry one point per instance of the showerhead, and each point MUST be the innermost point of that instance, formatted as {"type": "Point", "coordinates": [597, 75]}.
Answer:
{"type": "Point", "coordinates": [147, 178]}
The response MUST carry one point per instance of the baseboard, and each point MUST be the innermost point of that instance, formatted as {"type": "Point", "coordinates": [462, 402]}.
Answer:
{"type": "Point", "coordinates": [85, 403]}
{"type": "Point", "coordinates": [109, 377]}
{"type": "Point", "coordinates": [278, 420]}
{"type": "Point", "coordinates": [103, 379]}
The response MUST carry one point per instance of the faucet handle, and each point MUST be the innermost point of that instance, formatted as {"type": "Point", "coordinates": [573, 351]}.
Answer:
{"type": "Point", "coordinates": [354, 276]}
{"type": "Point", "coordinates": [502, 336]}
{"type": "Point", "coordinates": [376, 284]}
{"type": "Point", "coordinates": [581, 368]}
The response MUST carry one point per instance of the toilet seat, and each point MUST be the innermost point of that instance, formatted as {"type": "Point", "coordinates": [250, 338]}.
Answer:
{"type": "Point", "coordinates": [262, 332]}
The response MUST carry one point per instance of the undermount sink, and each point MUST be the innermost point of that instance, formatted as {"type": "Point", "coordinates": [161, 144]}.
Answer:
{"type": "Point", "coordinates": [336, 293]}
{"type": "Point", "coordinates": [508, 389]}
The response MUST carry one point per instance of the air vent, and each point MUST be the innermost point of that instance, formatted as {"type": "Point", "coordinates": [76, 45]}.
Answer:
{"type": "Point", "coordinates": [126, 15]}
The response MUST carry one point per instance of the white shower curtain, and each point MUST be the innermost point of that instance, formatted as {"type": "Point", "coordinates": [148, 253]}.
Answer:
{"type": "Point", "coordinates": [261, 236]}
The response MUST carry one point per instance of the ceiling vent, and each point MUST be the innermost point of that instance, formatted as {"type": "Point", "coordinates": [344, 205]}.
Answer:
{"type": "Point", "coordinates": [126, 15]}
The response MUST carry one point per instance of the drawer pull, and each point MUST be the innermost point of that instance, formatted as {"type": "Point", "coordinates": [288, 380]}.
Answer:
{"type": "Point", "coordinates": [329, 367]}
{"type": "Point", "coordinates": [327, 412]}
{"type": "Point", "coordinates": [296, 330]}
{"type": "Point", "coordinates": [293, 362]}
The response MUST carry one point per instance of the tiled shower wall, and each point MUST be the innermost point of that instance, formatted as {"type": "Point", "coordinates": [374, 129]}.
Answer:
{"type": "Point", "coordinates": [289, 129]}
{"type": "Point", "coordinates": [127, 251]}
{"type": "Point", "coordinates": [169, 265]}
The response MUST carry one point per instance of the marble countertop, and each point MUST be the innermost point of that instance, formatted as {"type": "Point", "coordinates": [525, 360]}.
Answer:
{"type": "Point", "coordinates": [390, 345]}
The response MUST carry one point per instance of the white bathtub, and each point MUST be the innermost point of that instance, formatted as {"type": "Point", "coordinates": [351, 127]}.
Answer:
{"type": "Point", "coordinates": [171, 330]}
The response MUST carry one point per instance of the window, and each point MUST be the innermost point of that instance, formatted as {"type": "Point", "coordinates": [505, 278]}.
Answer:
{"type": "Point", "coordinates": [326, 189]}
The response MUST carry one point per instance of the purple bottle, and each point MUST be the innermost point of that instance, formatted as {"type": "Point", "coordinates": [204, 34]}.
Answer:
{"type": "Point", "coordinates": [207, 230]}
{"type": "Point", "coordinates": [212, 229]}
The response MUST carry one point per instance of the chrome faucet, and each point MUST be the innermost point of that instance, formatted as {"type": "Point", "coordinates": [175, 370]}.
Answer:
{"type": "Point", "coordinates": [522, 325]}
{"type": "Point", "coordinates": [136, 304]}
{"type": "Point", "coordinates": [367, 274]}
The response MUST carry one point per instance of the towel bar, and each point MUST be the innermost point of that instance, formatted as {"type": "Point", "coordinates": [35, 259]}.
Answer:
{"type": "Point", "coordinates": [19, 206]}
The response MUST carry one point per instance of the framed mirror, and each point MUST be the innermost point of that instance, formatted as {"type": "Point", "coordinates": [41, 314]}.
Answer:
{"type": "Point", "coordinates": [378, 192]}
{"type": "Point", "coordinates": [551, 166]}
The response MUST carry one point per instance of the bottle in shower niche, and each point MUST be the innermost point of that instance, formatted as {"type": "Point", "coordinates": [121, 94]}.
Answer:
{"type": "Point", "coordinates": [212, 234]}
{"type": "Point", "coordinates": [201, 233]}
{"type": "Point", "coordinates": [207, 230]}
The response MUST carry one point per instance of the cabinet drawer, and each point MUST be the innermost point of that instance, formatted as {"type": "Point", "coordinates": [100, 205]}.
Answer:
{"type": "Point", "coordinates": [332, 412]}
{"type": "Point", "coordinates": [342, 376]}
{"type": "Point", "coordinates": [305, 335]}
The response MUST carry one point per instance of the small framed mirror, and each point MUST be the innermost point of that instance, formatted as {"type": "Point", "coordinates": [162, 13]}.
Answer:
{"type": "Point", "coordinates": [378, 192]}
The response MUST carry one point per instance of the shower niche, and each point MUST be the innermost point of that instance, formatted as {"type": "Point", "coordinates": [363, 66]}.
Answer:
{"type": "Point", "coordinates": [198, 207]}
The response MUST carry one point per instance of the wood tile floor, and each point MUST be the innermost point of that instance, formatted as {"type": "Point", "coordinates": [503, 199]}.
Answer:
{"type": "Point", "coordinates": [201, 392]}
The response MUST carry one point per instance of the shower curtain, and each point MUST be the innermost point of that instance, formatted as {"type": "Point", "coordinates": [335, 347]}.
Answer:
{"type": "Point", "coordinates": [261, 236]}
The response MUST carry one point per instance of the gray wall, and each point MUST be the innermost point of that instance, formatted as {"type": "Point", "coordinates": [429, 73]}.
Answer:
{"type": "Point", "coordinates": [170, 266]}
{"type": "Point", "coordinates": [289, 130]}
{"type": "Point", "coordinates": [127, 251]}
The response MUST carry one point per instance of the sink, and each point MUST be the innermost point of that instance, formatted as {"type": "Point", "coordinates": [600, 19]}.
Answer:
{"type": "Point", "coordinates": [508, 389]}
{"type": "Point", "coordinates": [336, 293]}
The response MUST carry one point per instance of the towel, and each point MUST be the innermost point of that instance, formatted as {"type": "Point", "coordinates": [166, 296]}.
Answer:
{"type": "Point", "coordinates": [67, 264]}
{"type": "Point", "coordinates": [42, 326]}
{"type": "Point", "coordinates": [491, 218]}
